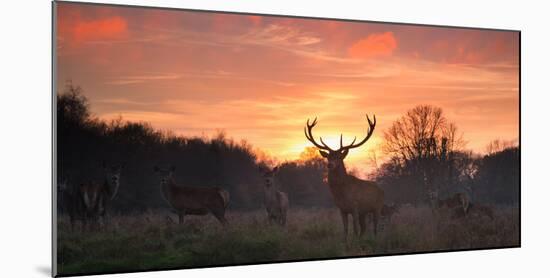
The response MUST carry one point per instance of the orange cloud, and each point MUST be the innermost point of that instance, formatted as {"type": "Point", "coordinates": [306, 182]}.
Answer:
{"type": "Point", "coordinates": [74, 29]}
{"type": "Point", "coordinates": [107, 28]}
{"type": "Point", "coordinates": [382, 44]}
{"type": "Point", "coordinates": [255, 20]}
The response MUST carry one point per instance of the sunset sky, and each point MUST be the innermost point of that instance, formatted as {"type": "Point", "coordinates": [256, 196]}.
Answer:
{"type": "Point", "coordinates": [259, 77]}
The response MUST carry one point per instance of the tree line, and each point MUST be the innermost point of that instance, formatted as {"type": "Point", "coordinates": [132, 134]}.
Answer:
{"type": "Point", "coordinates": [85, 143]}
{"type": "Point", "coordinates": [433, 158]}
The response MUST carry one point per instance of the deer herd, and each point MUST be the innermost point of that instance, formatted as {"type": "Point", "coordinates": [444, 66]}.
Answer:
{"type": "Point", "coordinates": [359, 199]}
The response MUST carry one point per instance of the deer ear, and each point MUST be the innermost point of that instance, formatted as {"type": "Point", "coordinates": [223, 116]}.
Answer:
{"type": "Point", "coordinates": [344, 153]}
{"type": "Point", "coordinates": [323, 153]}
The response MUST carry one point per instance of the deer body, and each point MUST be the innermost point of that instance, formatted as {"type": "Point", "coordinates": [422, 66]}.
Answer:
{"type": "Point", "coordinates": [353, 196]}
{"type": "Point", "coordinates": [276, 202]}
{"type": "Point", "coordinates": [277, 207]}
{"type": "Point", "coordinates": [72, 204]}
{"type": "Point", "coordinates": [458, 200]}
{"type": "Point", "coordinates": [193, 200]}
{"type": "Point", "coordinates": [89, 201]}
{"type": "Point", "coordinates": [481, 210]}
{"type": "Point", "coordinates": [461, 207]}
{"type": "Point", "coordinates": [350, 193]}
{"type": "Point", "coordinates": [389, 211]}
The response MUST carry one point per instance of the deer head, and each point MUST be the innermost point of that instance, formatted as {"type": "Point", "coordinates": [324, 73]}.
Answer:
{"type": "Point", "coordinates": [165, 174]}
{"type": "Point", "coordinates": [112, 177]}
{"type": "Point", "coordinates": [62, 185]}
{"type": "Point", "coordinates": [395, 207]}
{"type": "Point", "coordinates": [268, 175]}
{"type": "Point", "coordinates": [90, 194]}
{"type": "Point", "coordinates": [336, 157]}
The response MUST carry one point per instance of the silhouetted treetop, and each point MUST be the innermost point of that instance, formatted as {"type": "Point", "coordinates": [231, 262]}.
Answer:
{"type": "Point", "coordinates": [421, 133]}
{"type": "Point", "coordinates": [72, 106]}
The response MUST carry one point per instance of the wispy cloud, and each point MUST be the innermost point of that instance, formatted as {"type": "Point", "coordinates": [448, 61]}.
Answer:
{"type": "Point", "coordinates": [126, 80]}
{"type": "Point", "coordinates": [280, 35]}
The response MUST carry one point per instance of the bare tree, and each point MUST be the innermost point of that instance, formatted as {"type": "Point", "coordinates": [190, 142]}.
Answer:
{"type": "Point", "coordinates": [498, 145]}
{"type": "Point", "coordinates": [423, 142]}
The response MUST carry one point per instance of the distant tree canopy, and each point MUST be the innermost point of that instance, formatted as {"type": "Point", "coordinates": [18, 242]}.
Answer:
{"type": "Point", "coordinates": [496, 146]}
{"type": "Point", "coordinates": [72, 106]}
{"type": "Point", "coordinates": [497, 177]}
{"type": "Point", "coordinates": [85, 142]}
{"type": "Point", "coordinates": [427, 155]}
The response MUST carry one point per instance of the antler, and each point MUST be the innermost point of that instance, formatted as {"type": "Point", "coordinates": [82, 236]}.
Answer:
{"type": "Point", "coordinates": [372, 124]}
{"type": "Point", "coordinates": [309, 136]}
{"type": "Point", "coordinates": [323, 146]}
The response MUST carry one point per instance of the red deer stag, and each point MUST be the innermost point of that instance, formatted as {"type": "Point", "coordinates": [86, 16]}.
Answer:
{"type": "Point", "coordinates": [192, 200]}
{"type": "Point", "coordinates": [276, 202]}
{"type": "Point", "coordinates": [350, 194]}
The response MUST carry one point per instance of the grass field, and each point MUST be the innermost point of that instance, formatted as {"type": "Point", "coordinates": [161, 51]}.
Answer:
{"type": "Point", "coordinates": [151, 241]}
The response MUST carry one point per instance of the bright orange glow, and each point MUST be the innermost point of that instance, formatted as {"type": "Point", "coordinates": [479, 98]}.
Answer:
{"type": "Point", "coordinates": [374, 45]}
{"type": "Point", "coordinates": [260, 78]}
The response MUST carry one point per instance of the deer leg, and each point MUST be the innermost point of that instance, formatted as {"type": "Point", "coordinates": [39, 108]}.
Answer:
{"type": "Point", "coordinates": [363, 223]}
{"type": "Point", "coordinates": [102, 222]}
{"type": "Point", "coordinates": [84, 224]}
{"type": "Point", "coordinates": [72, 220]}
{"type": "Point", "coordinates": [220, 215]}
{"type": "Point", "coordinates": [490, 214]}
{"type": "Point", "coordinates": [181, 216]}
{"type": "Point", "coordinates": [278, 219]}
{"type": "Point", "coordinates": [283, 218]}
{"type": "Point", "coordinates": [107, 219]}
{"type": "Point", "coordinates": [90, 224]}
{"type": "Point", "coordinates": [221, 218]}
{"type": "Point", "coordinates": [375, 218]}
{"type": "Point", "coordinates": [345, 223]}
{"type": "Point", "coordinates": [269, 219]}
{"type": "Point", "coordinates": [355, 218]}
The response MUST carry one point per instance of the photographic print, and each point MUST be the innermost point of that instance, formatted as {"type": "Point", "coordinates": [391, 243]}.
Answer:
{"type": "Point", "coordinates": [187, 139]}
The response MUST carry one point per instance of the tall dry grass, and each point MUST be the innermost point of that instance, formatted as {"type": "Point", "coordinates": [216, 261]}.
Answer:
{"type": "Point", "coordinates": [152, 241]}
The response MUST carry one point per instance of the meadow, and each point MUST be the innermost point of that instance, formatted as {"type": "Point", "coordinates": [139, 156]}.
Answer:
{"type": "Point", "coordinates": [154, 240]}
